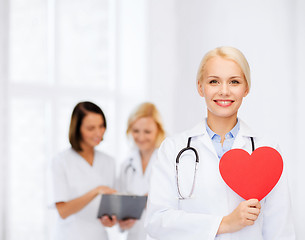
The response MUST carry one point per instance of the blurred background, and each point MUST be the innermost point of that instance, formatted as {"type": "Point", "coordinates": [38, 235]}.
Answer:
{"type": "Point", "coordinates": [119, 53]}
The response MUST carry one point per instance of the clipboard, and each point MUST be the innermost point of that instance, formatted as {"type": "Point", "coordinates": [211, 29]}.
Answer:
{"type": "Point", "coordinates": [122, 206]}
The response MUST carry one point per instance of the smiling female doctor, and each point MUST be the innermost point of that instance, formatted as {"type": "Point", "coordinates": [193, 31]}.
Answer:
{"type": "Point", "coordinates": [147, 131]}
{"type": "Point", "coordinates": [197, 204]}
{"type": "Point", "coordinates": [78, 177]}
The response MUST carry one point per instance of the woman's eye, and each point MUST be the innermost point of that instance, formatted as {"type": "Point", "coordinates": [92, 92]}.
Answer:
{"type": "Point", "coordinates": [213, 82]}
{"type": "Point", "coordinates": [234, 82]}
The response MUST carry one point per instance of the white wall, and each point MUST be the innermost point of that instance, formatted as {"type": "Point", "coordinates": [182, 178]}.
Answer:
{"type": "Point", "coordinates": [3, 109]}
{"type": "Point", "coordinates": [159, 46]}
{"type": "Point", "coordinates": [270, 34]}
{"type": "Point", "coordinates": [298, 176]}
{"type": "Point", "coordinates": [162, 54]}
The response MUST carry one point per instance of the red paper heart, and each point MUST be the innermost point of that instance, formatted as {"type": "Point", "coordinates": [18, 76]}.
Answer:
{"type": "Point", "coordinates": [251, 176]}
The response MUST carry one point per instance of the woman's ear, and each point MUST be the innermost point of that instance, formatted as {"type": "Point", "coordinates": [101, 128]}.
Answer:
{"type": "Point", "coordinates": [246, 92]}
{"type": "Point", "coordinates": [103, 132]}
{"type": "Point", "coordinates": [200, 88]}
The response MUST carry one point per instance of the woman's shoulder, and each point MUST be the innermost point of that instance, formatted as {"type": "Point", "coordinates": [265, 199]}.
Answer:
{"type": "Point", "coordinates": [103, 159]}
{"type": "Point", "coordinates": [261, 138]}
{"type": "Point", "coordinates": [103, 156]}
{"type": "Point", "coordinates": [64, 155]}
{"type": "Point", "coordinates": [182, 137]}
{"type": "Point", "coordinates": [62, 159]}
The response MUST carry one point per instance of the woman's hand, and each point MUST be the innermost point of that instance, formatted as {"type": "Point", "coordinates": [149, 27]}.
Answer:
{"type": "Point", "coordinates": [66, 209]}
{"type": "Point", "coordinates": [244, 215]}
{"type": "Point", "coordinates": [108, 222]}
{"type": "Point", "coordinates": [105, 190]}
{"type": "Point", "coordinates": [127, 224]}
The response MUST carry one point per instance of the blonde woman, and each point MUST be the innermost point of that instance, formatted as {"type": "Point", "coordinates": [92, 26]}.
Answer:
{"type": "Point", "coordinates": [189, 203]}
{"type": "Point", "coordinates": [147, 132]}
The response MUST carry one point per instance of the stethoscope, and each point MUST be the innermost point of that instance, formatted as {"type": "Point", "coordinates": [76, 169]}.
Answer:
{"type": "Point", "coordinates": [189, 148]}
{"type": "Point", "coordinates": [130, 166]}
{"type": "Point", "coordinates": [130, 172]}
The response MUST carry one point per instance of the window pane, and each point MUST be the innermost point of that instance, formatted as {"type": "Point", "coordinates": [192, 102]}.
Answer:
{"type": "Point", "coordinates": [83, 42]}
{"type": "Point", "coordinates": [27, 163]}
{"type": "Point", "coordinates": [28, 41]}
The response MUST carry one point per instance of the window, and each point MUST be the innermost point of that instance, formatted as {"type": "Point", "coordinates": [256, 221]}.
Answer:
{"type": "Point", "coordinates": [60, 53]}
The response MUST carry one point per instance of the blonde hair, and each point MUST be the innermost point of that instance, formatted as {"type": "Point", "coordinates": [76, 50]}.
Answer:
{"type": "Point", "coordinates": [229, 53]}
{"type": "Point", "coordinates": [147, 109]}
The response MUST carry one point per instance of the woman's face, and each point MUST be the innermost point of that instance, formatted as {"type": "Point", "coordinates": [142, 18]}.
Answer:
{"type": "Point", "coordinates": [144, 132]}
{"type": "Point", "coordinates": [223, 86]}
{"type": "Point", "coordinates": [92, 130]}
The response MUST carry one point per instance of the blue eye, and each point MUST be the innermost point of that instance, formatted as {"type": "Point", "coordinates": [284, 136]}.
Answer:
{"type": "Point", "coordinates": [235, 82]}
{"type": "Point", "coordinates": [213, 82]}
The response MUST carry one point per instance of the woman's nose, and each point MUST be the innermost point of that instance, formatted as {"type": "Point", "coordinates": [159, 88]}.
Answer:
{"type": "Point", "coordinates": [140, 136]}
{"type": "Point", "coordinates": [224, 89]}
{"type": "Point", "coordinates": [99, 132]}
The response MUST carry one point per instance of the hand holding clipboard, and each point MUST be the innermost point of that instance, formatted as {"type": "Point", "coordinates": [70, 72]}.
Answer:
{"type": "Point", "coordinates": [122, 206]}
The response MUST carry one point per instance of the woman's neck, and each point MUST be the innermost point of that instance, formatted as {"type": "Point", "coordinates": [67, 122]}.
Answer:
{"type": "Point", "coordinates": [145, 157]}
{"type": "Point", "coordinates": [221, 125]}
{"type": "Point", "coordinates": [87, 153]}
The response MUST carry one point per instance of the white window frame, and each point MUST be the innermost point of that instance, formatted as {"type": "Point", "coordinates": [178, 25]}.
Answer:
{"type": "Point", "coordinates": [118, 72]}
{"type": "Point", "coordinates": [4, 121]}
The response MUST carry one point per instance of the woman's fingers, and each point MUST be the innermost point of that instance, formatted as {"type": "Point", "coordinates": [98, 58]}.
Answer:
{"type": "Point", "coordinates": [105, 190]}
{"type": "Point", "coordinates": [108, 222]}
{"type": "Point", "coordinates": [245, 214]}
{"type": "Point", "coordinates": [253, 203]}
{"type": "Point", "coordinates": [126, 224]}
{"type": "Point", "coordinates": [254, 211]}
{"type": "Point", "coordinates": [251, 217]}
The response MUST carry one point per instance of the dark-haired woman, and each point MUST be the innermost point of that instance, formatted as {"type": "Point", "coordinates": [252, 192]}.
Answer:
{"type": "Point", "coordinates": [79, 175]}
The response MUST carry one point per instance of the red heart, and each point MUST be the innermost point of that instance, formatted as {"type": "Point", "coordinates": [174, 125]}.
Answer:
{"type": "Point", "coordinates": [251, 176]}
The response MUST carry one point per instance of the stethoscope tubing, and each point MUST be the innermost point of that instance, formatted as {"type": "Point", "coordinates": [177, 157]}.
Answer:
{"type": "Point", "coordinates": [130, 165]}
{"type": "Point", "coordinates": [189, 148]}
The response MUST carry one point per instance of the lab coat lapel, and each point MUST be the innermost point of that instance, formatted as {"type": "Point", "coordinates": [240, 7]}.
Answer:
{"type": "Point", "coordinates": [150, 163]}
{"type": "Point", "coordinates": [137, 161]}
{"type": "Point", "coordinates": [207, 141]}
{"type": "Point", "coordinates": [243, 137]}
{"type": "Point", "coordinates": [239, 141]}
{"type": "Point", "coordinates": [200, 131]}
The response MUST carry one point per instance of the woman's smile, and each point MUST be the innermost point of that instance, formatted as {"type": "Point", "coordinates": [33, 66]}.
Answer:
{"type": "Point", "coordinates": [224, 103]}
{"type": "Point", "coordinates": [223, 86]}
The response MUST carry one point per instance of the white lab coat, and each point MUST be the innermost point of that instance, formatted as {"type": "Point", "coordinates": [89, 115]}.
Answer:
{"type": "Point", "coordinates": [133, 181]}
{"type": "Point", "coordinates": [69, 177]}
{"type": "Point", "coordinates": [169, 218]}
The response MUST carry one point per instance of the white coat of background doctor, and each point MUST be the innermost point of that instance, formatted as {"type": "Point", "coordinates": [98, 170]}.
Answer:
{"type": "Point", "coordinates": [214, 211]}
{"type": "Point", "coordinates": [145, 127]}
{"type": "Point", "coordinates": [78, 176]}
